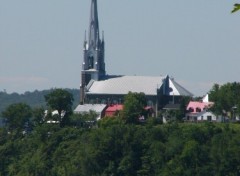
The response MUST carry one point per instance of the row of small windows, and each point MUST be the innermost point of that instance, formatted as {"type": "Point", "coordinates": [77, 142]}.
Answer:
{"type": "Point", "coordinates": [114, 101]}
{"type": "Point", "coordinates": [196, 110]}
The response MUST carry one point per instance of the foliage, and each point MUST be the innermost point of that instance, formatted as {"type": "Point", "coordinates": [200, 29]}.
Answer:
{"type": "Point", "coordinates": [86, 120]}
{"type": "Point", "coordinates": [60, 100]}
{"type": "Point", "coordinates": [34, 99]}
{"type": "Point", "coordinates": [17, 115]}
{"type": "Point", "coordinates": [123, 149]}
{"type": "Point", "coordinates": [121, 146]}
{"type": "Point", "coordinates": [134, 104]}
{"type": "Point", "coordinates": [236, 8]}
{"type": "Point", "coordinates": [225, 98]}
{"type": "Point", "coordinates": [38, 114]}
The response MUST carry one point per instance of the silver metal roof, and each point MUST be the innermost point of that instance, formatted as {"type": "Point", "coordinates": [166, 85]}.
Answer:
{"type": "Point", "coordinates": [98, 108]}
{"type": "Point", "coordinates": [178, 89]}
{"type": "Point", "coordinates": [123, 84]}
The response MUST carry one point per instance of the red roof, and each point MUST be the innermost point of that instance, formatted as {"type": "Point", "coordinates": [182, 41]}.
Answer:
{"type": "Point", "coordinates": [116, 107]}
{"type": "Point", "coordinates": [112, 109]}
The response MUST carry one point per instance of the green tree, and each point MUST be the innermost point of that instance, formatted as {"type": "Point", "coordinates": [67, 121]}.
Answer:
{"type": "Point", "coordinates": [17, 115]}
{"type": "Point", "coordinates": [38, 114]}
{"type": "Point", "coordinates": [236, 8]}
{"type": "Point", "coordinates": [60, 100]}
{"type": "Point", "coordinates": [134, 104]}
{"type": "Point", "coordinates": [225, 98]}
{"type": "Point", "coordinates": [85, 120]}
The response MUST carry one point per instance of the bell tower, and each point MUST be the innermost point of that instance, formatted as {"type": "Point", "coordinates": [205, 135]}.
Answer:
{"type": "Point", "coordinates": [93, 66]}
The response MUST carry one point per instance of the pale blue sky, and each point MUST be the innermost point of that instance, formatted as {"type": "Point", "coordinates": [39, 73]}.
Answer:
{"type": "Point", "coordinates": [196, 42]}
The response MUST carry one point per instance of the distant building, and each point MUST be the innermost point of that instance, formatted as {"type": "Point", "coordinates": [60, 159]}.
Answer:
{"type": "Point", "coordinates": [99, 88]}
{"type": "Point", "coordinates": [99, 109]}
{"type": "Point", "coordinates": [52, 119]}
{"type": "Point", "coordinates": [199, 110]}
{"type": "Point", "coordinates": [196, 106]}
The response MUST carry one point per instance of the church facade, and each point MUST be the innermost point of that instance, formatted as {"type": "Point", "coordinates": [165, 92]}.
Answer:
{"type": "Point", "coordinates": [99, 88]}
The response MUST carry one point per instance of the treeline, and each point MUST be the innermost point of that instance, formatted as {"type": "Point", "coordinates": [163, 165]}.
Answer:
{"type": "Point", "coordinates": [34, 99]}
{"type": "Point", "coordinates": [226, 99]}
{"type": "Point", "coordinates": [78, 145]}
{"type": "Point", "coordinates": [116, 148]}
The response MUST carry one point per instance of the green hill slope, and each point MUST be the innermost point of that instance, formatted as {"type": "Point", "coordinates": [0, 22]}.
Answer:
{"type": "Point", "coordinates": [34, 99]}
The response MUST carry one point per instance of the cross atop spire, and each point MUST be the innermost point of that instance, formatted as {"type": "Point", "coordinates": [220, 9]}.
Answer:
{"type": "Point", "coordinates": [94, 26]}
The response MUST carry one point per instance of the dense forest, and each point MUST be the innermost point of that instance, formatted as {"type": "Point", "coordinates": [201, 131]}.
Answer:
{"type": "Point", "coordinates": [116, 148]}
{"type": "Point", "coordinates": [34, 99]}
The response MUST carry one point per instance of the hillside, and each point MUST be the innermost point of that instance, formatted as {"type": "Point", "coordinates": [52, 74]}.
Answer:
{"type": "Point", "coordinates": [120, 149]}
{"type": "Point", "coordinates": [34, 99]}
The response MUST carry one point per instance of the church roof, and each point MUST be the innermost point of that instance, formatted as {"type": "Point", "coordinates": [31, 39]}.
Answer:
{"type": "Point", "coordinates": [178, 89]}
{"type": "Point", "coordinates": [121, 85]}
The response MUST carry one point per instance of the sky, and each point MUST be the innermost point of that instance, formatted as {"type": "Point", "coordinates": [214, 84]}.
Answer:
{"type": "Point", "coordinates": [195, 42]}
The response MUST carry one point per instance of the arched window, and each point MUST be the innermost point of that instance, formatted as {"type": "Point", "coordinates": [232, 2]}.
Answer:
{"type": "Point", "coordinates": [90, 62]}
{"type": "Point", "coordinates": [198, 109]}
{"type": "Point", "coordinates": [190, 109]}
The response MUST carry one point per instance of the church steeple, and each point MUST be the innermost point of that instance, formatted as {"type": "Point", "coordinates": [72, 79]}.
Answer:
{"type": "Point", "coordinates": [93, 26]}
{"type": "Point", "coordinates": [93, 67]}
{"type": "Point", "coordinates": [94, 47]}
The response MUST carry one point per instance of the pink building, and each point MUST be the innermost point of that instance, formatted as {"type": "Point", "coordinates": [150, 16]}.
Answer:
{"type": "Point", "coordinates": [199, 111]}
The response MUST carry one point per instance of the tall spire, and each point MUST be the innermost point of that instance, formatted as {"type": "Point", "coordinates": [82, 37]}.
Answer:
{"type": "Point", "coordinates": [94, 26]}
{"type": "Point", "coordinates": [93, 66]}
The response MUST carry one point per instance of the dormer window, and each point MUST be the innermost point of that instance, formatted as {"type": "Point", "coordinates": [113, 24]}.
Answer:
{"type": "Point", "coordinates": [198, 109]}
{"type": "Point", "coordinates": [190, 109]}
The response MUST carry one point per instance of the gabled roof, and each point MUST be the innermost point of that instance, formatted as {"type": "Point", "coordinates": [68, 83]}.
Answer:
{"type": "Point", "coordinates": [196, 104]}
{"type": "Point", "coordinates": [178, 89]}
{"type": "Point", "coordinates": [98, 108]}
{"type": "Point", "coordinates": [121, 85]}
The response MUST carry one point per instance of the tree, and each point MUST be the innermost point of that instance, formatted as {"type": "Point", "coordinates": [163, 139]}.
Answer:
{"type": "Point", "coordinates": [17, 115]}
{"type": "Point", "coordinates": [226, 97]}
{"type": "Point", "coordinates": [86, 120]}
{"type": "Point", "coordinates": [60, 100]}
{"type": "Point", "coordinates": [134, 104]}
{"type": "Point", "coordinates": [236, 8]}
{"type": "Point", "coordinates": [38, 114]}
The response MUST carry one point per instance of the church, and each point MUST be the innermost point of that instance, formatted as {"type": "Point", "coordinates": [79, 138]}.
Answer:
{"type": "Point", "coordinates": [97, 87]}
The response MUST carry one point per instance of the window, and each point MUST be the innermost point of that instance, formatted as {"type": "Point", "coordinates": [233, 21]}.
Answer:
{"type": "Point", "coordinates": [198, 109]}
{"type": "Point", "coordinates": [190, 109]}
{"type": "Point", "coordinates": [209, 118]}
{"type": "Point", "coordinates": [90, 62]}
